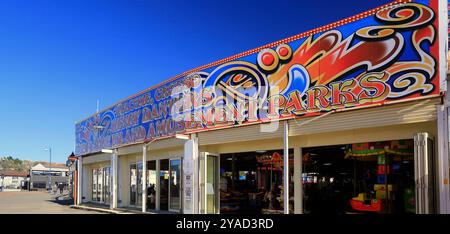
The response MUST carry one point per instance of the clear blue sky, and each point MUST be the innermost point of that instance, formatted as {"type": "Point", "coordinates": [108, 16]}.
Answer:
{"type": "Point", "coordinates": [58, 57]}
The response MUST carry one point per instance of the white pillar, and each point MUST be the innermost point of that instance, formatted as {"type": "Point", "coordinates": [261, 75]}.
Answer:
{"type": "Point", "coordinates": [190, 176]}
{"type": "Point", "coordinates": [286, 167]}
{"type": "Point", "coordinates": [298, 181]}
{"type": "Point", "coordinates": [85, 182]}
{"type": "Point", "coordinates": [443, 160]}
{"type": "Point", "coordinates": [115, 185]}
{"type": "Point", "coordinates": [80, 180]}
{"type": "Point", "coordinates": [158, 184]}
{"type": "Point", "coordinates": [144, 178]}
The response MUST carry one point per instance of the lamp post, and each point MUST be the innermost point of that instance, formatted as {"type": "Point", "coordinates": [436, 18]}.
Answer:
{"type": "Point", "coordinates": [50, 172]}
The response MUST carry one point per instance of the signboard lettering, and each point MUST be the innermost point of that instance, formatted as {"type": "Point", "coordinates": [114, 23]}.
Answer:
{"type": "Point", "coordinates": [380, 56]}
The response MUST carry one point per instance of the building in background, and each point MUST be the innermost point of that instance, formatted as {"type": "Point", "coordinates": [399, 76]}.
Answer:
{"type": "Point", "coordinates": [42, 174]}
{"type": "Point", "coordinates": [13, 180]}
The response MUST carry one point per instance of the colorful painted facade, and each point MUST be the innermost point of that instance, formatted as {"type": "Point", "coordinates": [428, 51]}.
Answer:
{"type": "Point", "coordinates": [384, 55]}
{"type": "Point", "coordinates": [361, 102]}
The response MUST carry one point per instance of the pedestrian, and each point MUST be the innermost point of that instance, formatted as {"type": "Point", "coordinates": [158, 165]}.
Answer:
{"type": "Point", "coordinates": [55, 188]}
{"type": "Point", "coordinates": [61, 188]}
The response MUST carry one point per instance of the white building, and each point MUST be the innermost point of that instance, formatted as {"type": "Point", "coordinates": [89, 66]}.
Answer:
{"type": "Point", "coordinates": [12, 179]}
{"type": "Point", "coordinates": [43, 173]}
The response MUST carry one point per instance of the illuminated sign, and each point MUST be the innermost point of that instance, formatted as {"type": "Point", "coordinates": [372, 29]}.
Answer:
{"type": "Point", "coordinates": [387, 54]}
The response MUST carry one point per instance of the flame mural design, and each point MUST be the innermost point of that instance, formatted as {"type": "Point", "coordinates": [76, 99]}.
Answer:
{"type": "Point", "coordinates": [383, 55]}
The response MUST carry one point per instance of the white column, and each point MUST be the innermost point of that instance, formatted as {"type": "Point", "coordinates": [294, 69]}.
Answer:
{"type": "Point", "coordinates": [422, 173]}
{"type": "Point", "coordinates": [115, 185]}
{"type": "Point", "coordinates": [298, 184]}
{"type": "Point", "coordinates": [443, 160]}
{"type": "Point", "coordinates": [190, 176]}
{"type": "Point", "coordinates": [158, 184]}
{"type": "Point", "coordinates": [79, 180]}
{"type": "Point", "coordinates": [111, 159]}
{"type": "Point", "coordinates": [144, 178]}
{"type": "Point", "coordinates": [286, 167]}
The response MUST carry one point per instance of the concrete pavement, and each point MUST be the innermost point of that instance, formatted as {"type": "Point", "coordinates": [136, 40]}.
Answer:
{"type": "Point", "coordinates": [36, 202]}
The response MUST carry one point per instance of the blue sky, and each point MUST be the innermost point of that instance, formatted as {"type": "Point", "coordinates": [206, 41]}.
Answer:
{"type": "Point", "coordinates": [58, 57]}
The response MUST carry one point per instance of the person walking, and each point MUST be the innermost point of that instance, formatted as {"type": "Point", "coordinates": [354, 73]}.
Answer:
{"type": "Point", "coordinates": [55, 188]}
{"type": "Point", "coordinates": [61, 188]}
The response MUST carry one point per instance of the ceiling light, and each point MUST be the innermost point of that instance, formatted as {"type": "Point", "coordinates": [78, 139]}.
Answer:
{"type": "Point", "coordinates": [182, 136]}
{"type": "Point", "coordinates": [107, 151]}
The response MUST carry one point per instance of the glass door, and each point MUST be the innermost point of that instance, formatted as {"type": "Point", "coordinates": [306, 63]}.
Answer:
{"type": "Point", "coordinates": [209, 183]}
{"type": "Point", "coordinates": [100, 185]}
{"type": "Point", "coordinates": [424, 174]}
{"type": "Point", "coordinates": [133, 184]}
{"type": "Point", "coordinates": [107, 185]}
{"type": "Point", "coordinates": [139, 184]}
{"type": "Point", "coordinates": [164, 184]}
{"type": "Point", "coordinates": [136, 184]}
{"type": "Point", "coordinates": [151, 185]}
{"type": "Point", "coordinates": [175, 185]}
{"type": "Point", "coordinates": [94, 185]}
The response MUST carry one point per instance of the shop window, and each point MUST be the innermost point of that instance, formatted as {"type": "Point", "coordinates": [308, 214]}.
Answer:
{"type": "Point", "coordinates": [373, 177]}
{"type": "Point", "coordinates": [252, 182]}
{"type": "Point", "coordinates": [39, 185]}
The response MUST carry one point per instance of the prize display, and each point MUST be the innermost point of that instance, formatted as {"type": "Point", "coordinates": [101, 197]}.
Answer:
{"type": "Point", "coordinates": [374, 177]}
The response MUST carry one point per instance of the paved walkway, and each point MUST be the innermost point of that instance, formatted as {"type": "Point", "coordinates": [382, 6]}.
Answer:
{"type": "Point", "coordinates": [25, 202]}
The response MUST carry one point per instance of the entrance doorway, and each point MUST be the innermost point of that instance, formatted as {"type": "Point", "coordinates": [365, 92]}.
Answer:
{"type": "Point", "coordinates": [136, 184]}
{"type": "Point", "coordinates": [151, 185]}
{"type": "Point", "coordinates": [374, 177]}
{"type": "Point", "coordinates": [164, 185]}
{"type": "Point", "coordinates": [252, 182]}
{"type": "Point", "coordinates": [209, 183]}
{"type": "Point", "coordinates": [101, 185]}
{"type": "Point", "coordinates": [175, 185]}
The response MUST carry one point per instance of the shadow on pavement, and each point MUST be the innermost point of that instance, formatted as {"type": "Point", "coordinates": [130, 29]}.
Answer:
{"type": "Point", "coordinates": [63, 200]}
